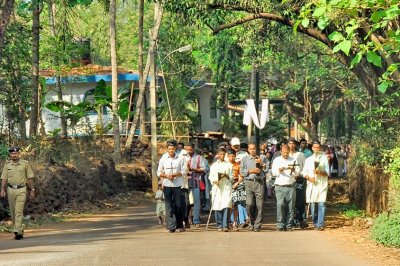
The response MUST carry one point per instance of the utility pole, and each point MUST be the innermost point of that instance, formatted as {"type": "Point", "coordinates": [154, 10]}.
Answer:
{"type": "Point", "coordinates": [251, 96]}
{"type": "Point", "coordinates": [153, 121]}
{"type": "Point", "coordinates": [257, 104]}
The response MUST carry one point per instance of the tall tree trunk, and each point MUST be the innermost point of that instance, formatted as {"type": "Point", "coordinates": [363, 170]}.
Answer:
{"type": "Point", "coordinates": [35, 67]}
{"type": "Point", "coordinates": [140, 65]}
{"type": "Point", "coordinates": [7, 9]}
{"type": "Point", "coordinates": [313, 131]}
{"type": "Point", "coordinates": [21, 107]}
{"type": "Point", "coordinates": [349, 106]}
{"type": "Point", "coordinates": [42, 128]}
{"type": "Point", "coordinates": [114, 81]}
{"type": "Point", "coordinates": [142, 83]}
{"type": "Point", "coordinates": [62, 112]}
{"type": "Point", "coordinates": [52, 18]}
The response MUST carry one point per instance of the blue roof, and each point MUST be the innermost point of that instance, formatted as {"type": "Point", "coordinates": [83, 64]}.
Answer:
{"type": "Point", "coordinates": [92, 78]}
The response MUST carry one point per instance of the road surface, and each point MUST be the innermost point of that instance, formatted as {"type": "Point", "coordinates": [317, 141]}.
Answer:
{"type": "Point", "coordinates": [133, 237]}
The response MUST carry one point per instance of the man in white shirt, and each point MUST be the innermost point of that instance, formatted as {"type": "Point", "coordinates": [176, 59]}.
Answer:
{"type": "Point", "coordinates": [316, 172]}
{"type": "Point", "coordinates": [171, 168]}
{"type": "Point", "coordinates": [286, 170]}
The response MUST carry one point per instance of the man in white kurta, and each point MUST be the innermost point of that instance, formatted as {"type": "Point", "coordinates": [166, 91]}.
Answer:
{"type": "Point", "coordinates": [316, 172]}
{"type": "Point", "coordinates": [221, 189]}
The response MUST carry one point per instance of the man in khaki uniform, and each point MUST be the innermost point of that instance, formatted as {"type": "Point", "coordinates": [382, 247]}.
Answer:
{"type": "Point", "coordinates": [16, 175]}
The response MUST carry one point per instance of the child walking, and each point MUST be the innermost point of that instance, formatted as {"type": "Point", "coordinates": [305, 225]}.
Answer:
{"type": "Point", "coordinates": [160, 208]}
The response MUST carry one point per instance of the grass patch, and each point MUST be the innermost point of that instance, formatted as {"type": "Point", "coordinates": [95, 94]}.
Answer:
{"type": "Point", "coordinates": [350, 210]}
{"type": "Point", "coordinates": [386, 229]}
{"type": "Point", "coordinates": [28, 223]}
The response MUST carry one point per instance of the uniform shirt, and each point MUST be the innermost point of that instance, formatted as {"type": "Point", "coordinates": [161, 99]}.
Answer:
{"type": "Point", "coordinates": [287, 177]}
{"type": "Point", "coordinates": [17, 173]}
{"type": "Point", "coordinates": [249, 162]}
{"type": "Point", "coordinates": [171, 165]}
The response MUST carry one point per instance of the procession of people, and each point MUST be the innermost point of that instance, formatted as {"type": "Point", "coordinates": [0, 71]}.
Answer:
{"type": "Point", "coordinates": [234, 181]}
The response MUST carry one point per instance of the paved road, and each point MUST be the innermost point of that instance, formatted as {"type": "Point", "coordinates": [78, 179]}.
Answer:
{"type": "Point", "coordinates": [132, 237]}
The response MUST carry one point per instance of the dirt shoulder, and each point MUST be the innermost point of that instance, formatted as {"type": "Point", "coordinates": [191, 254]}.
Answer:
{"type": "Point", "coordinates": [354, 234]}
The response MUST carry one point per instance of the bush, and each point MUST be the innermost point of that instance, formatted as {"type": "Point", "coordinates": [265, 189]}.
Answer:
{"type": "Point", "coordinates": [386, 229]}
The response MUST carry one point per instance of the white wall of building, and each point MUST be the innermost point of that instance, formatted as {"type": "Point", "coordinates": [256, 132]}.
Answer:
{"type": "Point", "coordinates": [74, 93]}
{"type": "Point", "coordinates": [207, 122]}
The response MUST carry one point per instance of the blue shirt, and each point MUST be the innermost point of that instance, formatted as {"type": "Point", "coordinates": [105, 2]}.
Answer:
{"type": "Point", "coordinates": [248, 163]}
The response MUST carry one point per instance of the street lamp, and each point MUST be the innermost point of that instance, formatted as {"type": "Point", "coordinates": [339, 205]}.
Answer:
{"type": "Point", "coordinates": [182, 49]}
{"type": "Point", "coordinates": [153, 114]}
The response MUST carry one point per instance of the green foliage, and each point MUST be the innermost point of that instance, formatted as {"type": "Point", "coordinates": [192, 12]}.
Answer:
{"type": "Point", "coordinates": [54, 133]}
{"type": "Point", "coordinates": [101, 99]}
{"type": "Point", "coordinates": [14, 74]}
{"type": "Point", "coordinates": [232, 126]}
{"type": "Point", "coordinates": [386, 229]}
{"type": "Point", "coordinates": [393, 167]}
{"type": "Point", "coordinates": [92, 22]}
{"type": "Point", "coordinates": [3, 151]}
{"type": "Point", "coordinates": [382, 121]}
{"type": "Point", "coordinates": [374, 24]}
{"type": "Point", "coordinates": [350, 210]}
{"type": "Point", "coordinates": [274, 129]}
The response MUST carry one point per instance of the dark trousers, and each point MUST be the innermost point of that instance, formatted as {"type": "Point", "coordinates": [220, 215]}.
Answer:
{"type": "Point", "coordinates": [186, 206]}
{"type": "Point", "coordinates": [300, 212]}
{"type": "Point", "coordinates": [254, 201]}
{"type": "Point", "coordinates": [173, 207]}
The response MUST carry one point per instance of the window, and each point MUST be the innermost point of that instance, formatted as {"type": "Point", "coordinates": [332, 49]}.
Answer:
{"type": "Point", "coordinates": [213, 106]}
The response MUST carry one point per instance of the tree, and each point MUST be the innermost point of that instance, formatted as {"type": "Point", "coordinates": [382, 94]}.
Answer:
{"type": "Point", "coordinates": [114, 80]}
{"type": "Point", "coordinates": [142, 83]}
{"type": "Point", "coordinates": [322, 21]}
{"type": "Point", "coordinates": [6, 11]}
{"type": "Point", "coordinates": [14, 72]}
{"type": "Point", "coordinates": [140, 62]}
{"type": "Point", "coordinates": [36, 9]}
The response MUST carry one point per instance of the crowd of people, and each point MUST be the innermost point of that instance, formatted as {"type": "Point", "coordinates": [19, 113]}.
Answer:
{"type": "Point", "coordinates": [234, 181]}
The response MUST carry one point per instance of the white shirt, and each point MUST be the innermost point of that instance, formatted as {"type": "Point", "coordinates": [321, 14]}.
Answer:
{"type": "Point", "coordinates": [300, 159]}
{"type": "Point", "coordinates": [287, 177]}
{"type": "Point", "coordinates": [171, 165]}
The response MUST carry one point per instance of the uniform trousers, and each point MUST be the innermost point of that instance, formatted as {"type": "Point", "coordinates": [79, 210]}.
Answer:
{"type": "Point", "coordinates": [16, 201]}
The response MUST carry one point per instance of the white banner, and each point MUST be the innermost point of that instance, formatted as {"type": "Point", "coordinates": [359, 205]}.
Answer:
{"type": "Point", "coordinates": [251, 113]}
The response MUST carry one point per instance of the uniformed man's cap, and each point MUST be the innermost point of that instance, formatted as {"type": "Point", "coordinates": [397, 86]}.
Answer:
{"type": "Point", "coordinates": [13, 149]}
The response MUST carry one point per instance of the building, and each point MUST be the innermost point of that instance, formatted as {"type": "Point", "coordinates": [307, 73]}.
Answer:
{"type": "Point", "coordinates": [79, 83]}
